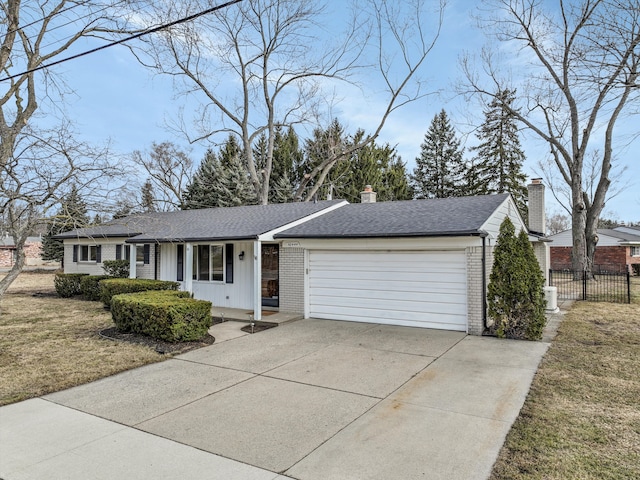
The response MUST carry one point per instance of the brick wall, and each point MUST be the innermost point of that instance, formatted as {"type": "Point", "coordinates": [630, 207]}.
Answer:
{"type": "Point", "coordinates": [32, 251]}
{"type": "Point", "coordinates": [610, 258]}
{"type": "Point", "coordinates": [292, 280]}
{"type": "Point", "coordinates": [6, 257]}
{"type": "Point", "coordinates": [474, 287]}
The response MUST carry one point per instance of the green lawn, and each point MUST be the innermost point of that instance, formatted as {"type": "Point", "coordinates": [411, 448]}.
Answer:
{"type": "Point", "coordinates": [581, 419]}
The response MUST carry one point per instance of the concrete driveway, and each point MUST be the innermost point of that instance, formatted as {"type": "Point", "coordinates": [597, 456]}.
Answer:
{"type": "Point", "coordinates": [312, 399]}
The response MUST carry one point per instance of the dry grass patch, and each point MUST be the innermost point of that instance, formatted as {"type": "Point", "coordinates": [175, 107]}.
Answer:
{"type": "Point", "coordinates": [49, 343]}
{"type": "Point", "coordinates": [581, 419]}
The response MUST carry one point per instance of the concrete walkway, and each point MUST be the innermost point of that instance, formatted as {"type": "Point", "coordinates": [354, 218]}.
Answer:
{"type": "Point", "coordinates": [310, 399]}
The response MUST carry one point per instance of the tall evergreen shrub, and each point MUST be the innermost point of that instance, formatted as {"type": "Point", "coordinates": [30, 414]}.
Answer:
{"type": "Point", "coordinates": [516, 288]}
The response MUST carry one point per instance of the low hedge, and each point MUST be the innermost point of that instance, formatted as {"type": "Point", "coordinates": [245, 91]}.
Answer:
{"type": "Point", "coordinates": [68, 284]}
{"type": "Point", "coordinates": [116, 268]}
{"type": "Point", "coordinates": [90, 286]}
{"type": "Point", "coordinates": [117, 286]}
{"type": "Point", "coordinates": [165, 315]}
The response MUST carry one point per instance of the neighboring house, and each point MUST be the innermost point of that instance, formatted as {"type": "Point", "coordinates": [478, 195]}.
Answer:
{"type": "Point", "coordinates": [32, 250]}
{"type": "Point", "coordinates": [616, 251]}
{"type": "Point", "coordinates": [421, 263]}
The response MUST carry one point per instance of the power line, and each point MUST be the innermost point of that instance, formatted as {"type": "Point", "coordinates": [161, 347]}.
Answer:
{"type": "Point", "coordinates": [132, 37]}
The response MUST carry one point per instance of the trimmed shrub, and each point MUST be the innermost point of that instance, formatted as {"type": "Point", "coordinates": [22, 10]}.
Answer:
{"type": "Point", "coordinates": [167, 315]}
{"type": "Point", "coordinates": [116, 268]}
{"type": "Point", "coordinates": [90, 286]}
{"type": "Point", "coordinates": [68, 284]}
{"type": "Point", "coordinates": [516, 288]}
{"type": "Point", "coordinates": [116, 286]}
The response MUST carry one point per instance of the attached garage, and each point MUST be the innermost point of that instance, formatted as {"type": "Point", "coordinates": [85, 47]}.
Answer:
{"type": "Point", "coordinates": [411, 288]}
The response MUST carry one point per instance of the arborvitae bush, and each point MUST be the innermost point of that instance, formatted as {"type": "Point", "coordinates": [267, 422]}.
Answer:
{"type": "Point", "coordinates": [116, 286]}
{"type": "Point", "coordinates": [516, 288]}
{"type": "Point", "coordinates": [68, 284]}
{"type": "Point", "coordinates": [116, 268]}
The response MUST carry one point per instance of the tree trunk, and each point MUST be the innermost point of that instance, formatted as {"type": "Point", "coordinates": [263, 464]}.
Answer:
{"type": "Point", "coordinates": [578, 227]}
{"type": "Point", "coordinates": [17, 267]}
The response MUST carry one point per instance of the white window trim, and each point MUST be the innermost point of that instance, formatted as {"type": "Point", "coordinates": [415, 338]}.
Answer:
{"type": "Point", "coordinates": [196, 269]}
{"type": "Point", "coordinates": [88, 247]}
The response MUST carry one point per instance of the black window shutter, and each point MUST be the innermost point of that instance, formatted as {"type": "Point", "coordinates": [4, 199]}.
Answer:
{"type": "Point", "coordinates": [180, 264]}
{"type": "Point", "coordinates": [147, 251]}
{"type": "Point", "coordinates": [127, 252]}
{"type": "Point", "coordinates": [118, 252]}
{"type": "Point", "coordinates": [75, 253]}
{"type": "Point", "coordinates": [99, 254]}
{"type": "Point", "coordinates": [228, 258]}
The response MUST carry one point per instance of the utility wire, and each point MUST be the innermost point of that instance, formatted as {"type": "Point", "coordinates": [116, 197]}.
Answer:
{"type": "Point", "coordinates": [70, 22]}
{"type": "Point", "coordinates": [40, 20]}
{"type": "Point", "coordinates": [118, 42]}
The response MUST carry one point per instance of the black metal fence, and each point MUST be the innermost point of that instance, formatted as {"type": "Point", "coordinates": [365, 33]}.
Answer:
{"type": "Point", "coordinates": [599, 286]}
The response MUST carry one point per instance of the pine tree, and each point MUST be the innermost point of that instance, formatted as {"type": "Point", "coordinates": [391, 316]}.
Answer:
{"type": "Point", "coordinates": [473, 181]}
{"type": "Point", "coordinates": [71, 215]}
{"type": "Point", "coordinates": [147, 200]}
{"type": "Point", "coordinates": [499, 155]}
{"type": "Point", "coordinates": [287, 155]}
{"type": "Point", "coordinates": [396, 185]}
{"type": "Point", "coordinates": [515, 293]}
{"type": "Point", "coordinates": [440, 166]}
{"type": "Point", "coordinates": [220, 181]}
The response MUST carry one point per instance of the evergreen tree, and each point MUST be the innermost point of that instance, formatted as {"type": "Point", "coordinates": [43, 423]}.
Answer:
{"type": "Point", "coordinates": [287, 156]}
{"type": "Point", "coordinates": [473, 181]}
{"type": "Point", "coordinates": [396, 185]}
{"type": "Point", "coordinates": [220, 181]}
{"type": "Point", "coordinates": [439, 168]}
{"type": "Point", "coordinates": [515, 293]}
{"type": "Point", "coordinates": [147, 200]}
{"type": "Point", "coordinates": [71, 215]}
{"type": "Point", "coordinates": [499, 155]}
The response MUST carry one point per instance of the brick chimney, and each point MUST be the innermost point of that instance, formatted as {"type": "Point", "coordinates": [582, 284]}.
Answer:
{"type": "Point", "coordinates": [537, 216]}
{"type": "Point", "coordinates": [368, 195]}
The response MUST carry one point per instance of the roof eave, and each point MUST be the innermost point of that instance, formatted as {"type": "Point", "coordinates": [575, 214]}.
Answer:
{"type": "Point", "coordinates": [469, 233]}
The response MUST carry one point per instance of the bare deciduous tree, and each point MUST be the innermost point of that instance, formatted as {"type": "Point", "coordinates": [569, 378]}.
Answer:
{"type": "Point", "coordinates": [38, 165]}
{"type": "Point", "coordinates": [263, 64]}
{"type": "Point", "coordinates": [582, 65]}
{"type": "Point", "coordinates": [170, 170]}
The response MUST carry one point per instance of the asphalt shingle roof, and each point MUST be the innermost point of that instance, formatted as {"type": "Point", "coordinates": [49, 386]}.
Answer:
{"type": "Point", "coordinates": [629, 237]}
{"type": "Point", "coordinates": [232, 223]}
{"type": "Point", "coordinates": [458, 216]}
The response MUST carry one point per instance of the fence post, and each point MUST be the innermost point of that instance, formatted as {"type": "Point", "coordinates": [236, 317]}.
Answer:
{"type": "Point", "coordinates": [628, 285]}
{"type": "Point", "coordinates": [584, 285]}
{"type": "Point", "coordinates": [550, 278]}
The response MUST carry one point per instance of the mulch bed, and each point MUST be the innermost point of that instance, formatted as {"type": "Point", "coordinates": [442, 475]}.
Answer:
{"type": "Point", "coordinates": [160, 346]}
{"type": "Point", "coordinates": [258, 327]}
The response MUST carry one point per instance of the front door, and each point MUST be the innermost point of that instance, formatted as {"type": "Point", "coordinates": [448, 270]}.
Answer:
{"type": "Point", "coordinates": [270, 276]}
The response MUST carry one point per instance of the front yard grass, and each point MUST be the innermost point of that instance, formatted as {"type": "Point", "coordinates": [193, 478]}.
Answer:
{"type": "Point", "coordinates": [49, 343]}
{"type": "Point", "coordinates": [581, 419]}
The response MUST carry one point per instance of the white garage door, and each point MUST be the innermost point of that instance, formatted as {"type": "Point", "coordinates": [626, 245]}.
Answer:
{"type": "Point", "coordinates": [420, 289]}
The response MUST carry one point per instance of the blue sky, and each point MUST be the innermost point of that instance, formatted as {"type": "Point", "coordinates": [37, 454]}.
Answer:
{"type": "Point", "coordinates": [117, 99]}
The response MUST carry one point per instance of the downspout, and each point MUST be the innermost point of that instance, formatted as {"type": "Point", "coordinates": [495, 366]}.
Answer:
{"type": "Point", "coordinates": [484, 281]}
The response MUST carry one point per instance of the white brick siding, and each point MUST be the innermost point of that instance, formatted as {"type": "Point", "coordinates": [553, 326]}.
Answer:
{"type": "Point", "coordinates": [292, 280]}
{"type": "Point", "coordinates": [474, 287]}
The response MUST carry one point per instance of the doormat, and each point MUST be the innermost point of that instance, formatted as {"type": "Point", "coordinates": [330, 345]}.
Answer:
{"type": "Point", "coordinates": [264, 313]}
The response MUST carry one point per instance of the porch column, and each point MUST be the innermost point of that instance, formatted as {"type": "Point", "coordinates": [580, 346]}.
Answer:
{"type": "Point", "coordinates": [257, 280]}
{"type": "Point", "coordinates": [132, 261]}
{"type": "Point", "coordinates": [188, 267]}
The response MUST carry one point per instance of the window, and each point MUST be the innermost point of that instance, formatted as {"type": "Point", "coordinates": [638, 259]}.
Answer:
{"type": "Point", "coordinates": [635, 251]}
{"type": "Point", "coordinates": [208, 263]}
{"type": "Point", "coordinates": [88, 253]}
{"type": "Point", "coordinates": [139, 253]}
